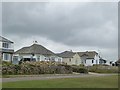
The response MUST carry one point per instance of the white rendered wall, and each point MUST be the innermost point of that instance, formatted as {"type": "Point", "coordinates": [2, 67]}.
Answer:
{"type": "Point", "coordinates": [88, 62]}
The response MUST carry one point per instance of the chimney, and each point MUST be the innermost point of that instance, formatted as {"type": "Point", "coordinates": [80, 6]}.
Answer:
{"type": "Point", "coordinates": [35, 42]}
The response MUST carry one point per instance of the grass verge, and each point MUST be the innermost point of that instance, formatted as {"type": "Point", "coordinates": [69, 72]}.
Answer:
{"type": "Point", "coordinates": [84, 82]}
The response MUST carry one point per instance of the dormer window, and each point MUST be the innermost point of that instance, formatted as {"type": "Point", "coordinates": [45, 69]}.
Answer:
{"type": "Point", "coordinates": [5, 45]}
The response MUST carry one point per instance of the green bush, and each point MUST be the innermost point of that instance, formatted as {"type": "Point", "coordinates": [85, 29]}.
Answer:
{"type": "Point", "coordinates": [82, 70]}
{"type": "Point", "coordinates": [6, 63]}
{"type": "Point", "coordinates": [79, 69]}
{"type": "Point", "coordinates": [68, 68]}
{"type": "Point", "coordinates": [81, 65]}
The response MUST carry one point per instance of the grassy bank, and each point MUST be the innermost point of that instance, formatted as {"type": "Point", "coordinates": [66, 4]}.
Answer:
{"type": "Point", "coordinates": [84, 82]}
{"type": "Point", "coordinates": [103, 69]}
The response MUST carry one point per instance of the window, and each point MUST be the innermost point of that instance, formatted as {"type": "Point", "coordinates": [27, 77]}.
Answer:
{"type": "Point", "coordinates": [85, 61]}
{"type": "Point", "coordinates": [6, 56]}
{"type": "Point", "coordinates": [15, 58]}
{"type": "Point", "coordinates": [70, 60]}
{"type": "Point", "coordinates": [53, 58]}
{"type": "Point", "coordinates": [59, 60]}
{"type": "Point", "coordinates": [38, 58]}
{"type": "Point", "coordinates": [5, 45]}
{"type": "Point", "coordinates": [96, 62]}
{"type": "Point", "coordinates": [76, 61]}
{"type": "Point", "coordinates": [92, 61]}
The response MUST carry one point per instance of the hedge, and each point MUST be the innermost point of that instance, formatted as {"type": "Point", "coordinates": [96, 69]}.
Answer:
{"type": "Point", "coordinates": [79, 69]}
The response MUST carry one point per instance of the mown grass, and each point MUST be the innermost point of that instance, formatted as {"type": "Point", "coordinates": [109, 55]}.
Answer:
{"type": "Point", "coordinates": [83, 82]}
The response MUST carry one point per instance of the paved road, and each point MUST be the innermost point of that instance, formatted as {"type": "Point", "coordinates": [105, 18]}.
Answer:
{"type": "Point", "coordinates": [46, 77]}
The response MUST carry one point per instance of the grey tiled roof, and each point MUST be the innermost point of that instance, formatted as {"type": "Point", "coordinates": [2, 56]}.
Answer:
{"type": "Point", "coordinates": [69, 54]}
{"type": "Point", "coordinates": [66, 54]}
{"type": "Point", "coordinates": [4, 39]}
{"type": "Point", "coordinates": [101, 59]}
{"type": "Point", "coordinates": [34, 49]}
{"type": "Point", "coordinates": [89, 54]}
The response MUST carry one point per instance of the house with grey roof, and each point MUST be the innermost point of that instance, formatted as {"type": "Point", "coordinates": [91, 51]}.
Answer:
{"type": "Point", "coordinates": [35, 52]}
{"type": "Point", "coordinates": [70, 58]}
{"type": "Point", "coordinates": [87, 58]}
{"type": "Point", "coordinates": [6, 49]}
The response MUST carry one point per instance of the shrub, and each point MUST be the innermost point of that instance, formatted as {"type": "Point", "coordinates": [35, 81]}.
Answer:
{"type": "Point", "coordinates": [6, 63]}
{"type": "Point", "coordinates": [82, 70]}
{"type": "Point", "coordinates": [68, 68]}
{"type": "Point", "coordinates": [79, 69]}
{"type": "Point", "coordinates": [28, 68]}
{"type": "Point", "coordinates": [81, 65]}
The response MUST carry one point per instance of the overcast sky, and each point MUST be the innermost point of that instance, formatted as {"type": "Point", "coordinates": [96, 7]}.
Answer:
{"type": "Point", "coordinates": [63, 26]}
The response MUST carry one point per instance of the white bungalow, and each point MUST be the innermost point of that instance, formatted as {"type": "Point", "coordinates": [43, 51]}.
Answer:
{"type": "Point", "coordinates": [89, 58]}
{"type": "Point", "coordinates": [35, 52]}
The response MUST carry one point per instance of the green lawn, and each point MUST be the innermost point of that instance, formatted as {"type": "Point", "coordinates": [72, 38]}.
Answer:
{"type": "Point", "coordinates": [84, 82]}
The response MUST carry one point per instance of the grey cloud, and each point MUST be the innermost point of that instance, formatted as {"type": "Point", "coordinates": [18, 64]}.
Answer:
{"type": "Point", "coordinates": [0, 18]}
{"type": "Point", "coordinates": [119, 30]}
{"type": "Point", "coordinates": [73, 24]}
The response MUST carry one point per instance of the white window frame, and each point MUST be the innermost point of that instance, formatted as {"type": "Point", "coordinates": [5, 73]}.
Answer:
{"type": "Point", "coordinates": [6, 56]}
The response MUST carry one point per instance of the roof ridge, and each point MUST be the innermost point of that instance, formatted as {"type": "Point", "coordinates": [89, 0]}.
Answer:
{"type": "Point", "coordinates": [36, 49]}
